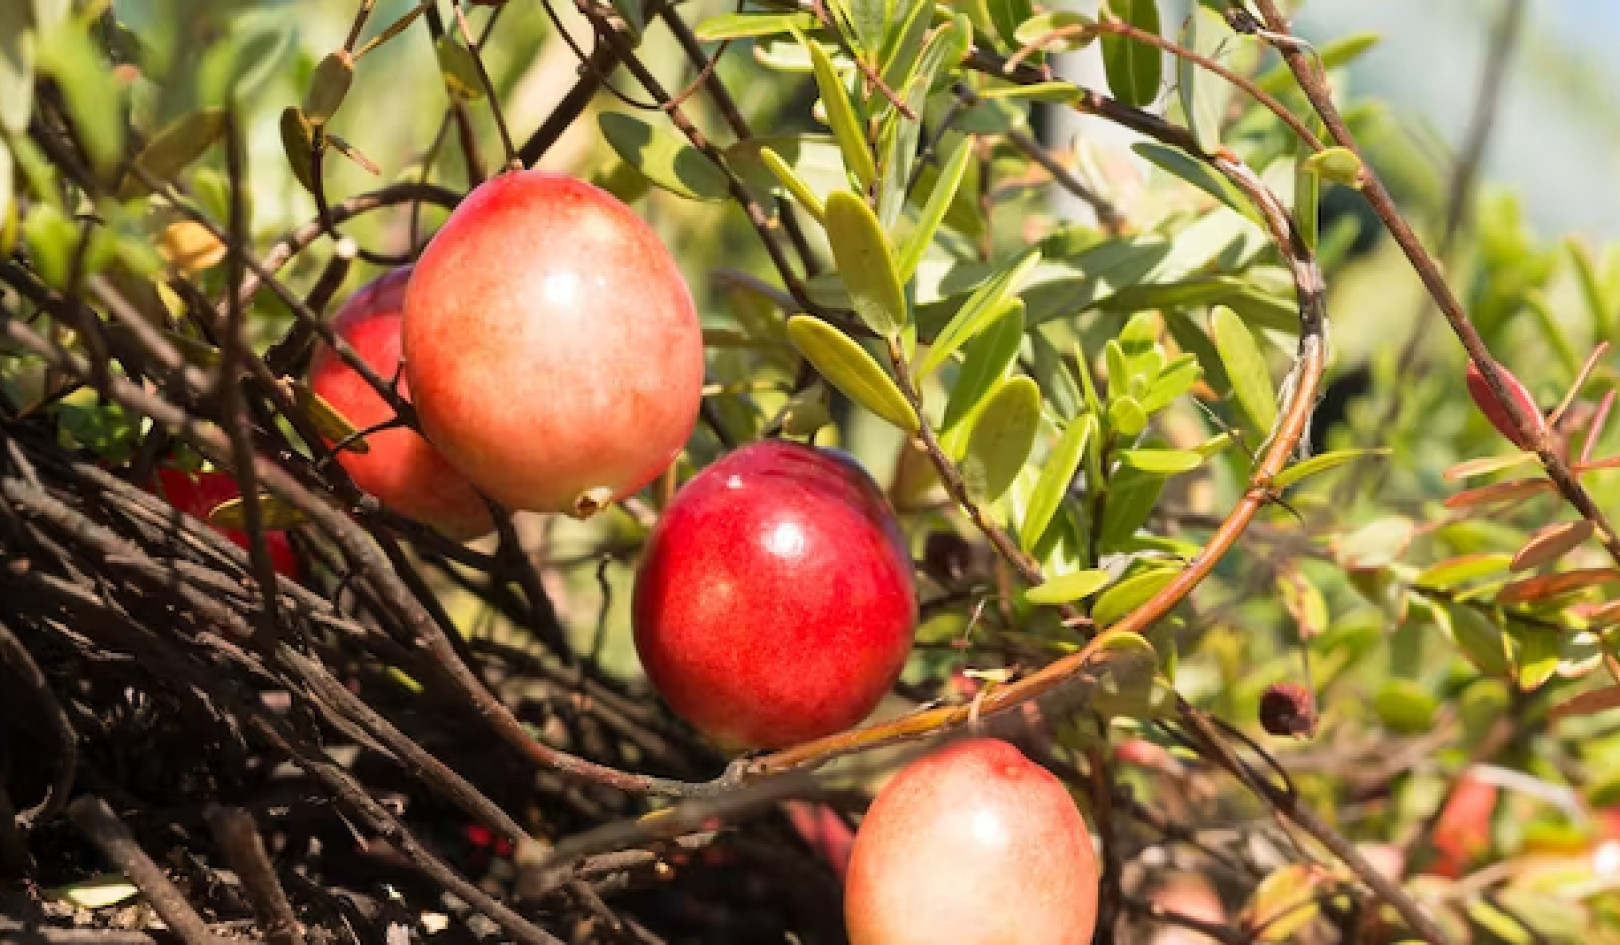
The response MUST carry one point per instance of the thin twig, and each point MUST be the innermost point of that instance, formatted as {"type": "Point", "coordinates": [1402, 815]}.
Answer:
{"type": "Point", "coordinates": [98, 822]}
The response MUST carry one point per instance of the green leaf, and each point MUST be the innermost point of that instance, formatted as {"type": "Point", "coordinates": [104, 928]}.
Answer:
{"type": "Point", "coordinates": [172, 149]}
{"type": "Point", "coordinates": [1307, 204]}
{"type": "Point", "coordinates": [1479, 638]}
{"type": "Point", "coordinates": [900, 136]}
{"type": "Point", "coordinates": [933, 213]}
{"type": "Point", "coordinates": [1126, 682]}
{"type": "Point", "coordinates": [1161, 461]}
{"type": "Point", "coordinates": [1066, 588]}
{"type": "Point", "coordinates": [847, 366]}
{"type": "Point", "coordinates": [1245, 367]}
{"type": "Point", "coordinates": [1056, 475]}
{"type": "Point", "coordinates": [1280, 79]}
{"type": "Point", "coordinates": [1321, 463]}
{"type": "Point", "coordinates": [902, 50]}
{"type": "Point", "coordinates": [1376, 544]}
{"type": "Point", "coordinates": [846, 125]}
{"type": "Point", "coordinates": [1599, 305]}
{"type": "Point", "coordinates": [1336, 164]}
{"type": "Point", "coordinates": [1129, 594]}
{"type": "Point", "coordinates": [985, 363]}
{"type": "Point", "coordinates": [1126, 416]}
{"type": "Point", "coordinates": [1195, 172]}
{"type": "Point", "coordinates": [662, 157]}
{"type": "Point", "coordinates": [8, 209]}
{"type": "Point", "coordinates": [256, 50]}
{"type": "Point", "coordinates": [1404, 707]}
{"type": "Point", "coordinates": [975, 313]}
{"type": "Point", "coordinates": [1003, 434]}
{"type": "Point", "coordinates": [1007, 15]}
{"type": "Point", "coordinates": [327, 420]}
{"type": "Point", "coordinates": [1456, 571]}
{"type": "Point", "coordinates": [335, 74]}
{"type": "Point", "coordinates": [1203, 94]}
{"type": "Point", "coordinates": [17, 43]}
{"type": "Point", "coordinates": [274, 514]}
{"type": "Point", "coordinates": [1283, 903]}
{"type": "Point", "coordinates": [743, 25]}
{"type": "Point", "coordinates": [1539, 651]}
{"type": "Point", "coordinates": [814, 158]}
{"type": "Point", "coordinates": [1176, 379]}
{"type": "Point", "coordinates": [866, 263]}
{"type": "Point", "coordinates": [869, 19]}
{"type": "Point", "coordinates": [1049, 93]}
{"type": "Point", "coordinates": [1038, 28]}
{"type": "Point", "coordinates": [1130, 499]}
{"type": "Point", "coordinates": [70, 57]}
{"type": "Point", "coordinates": [1134, 69]}
{"type": "Point", "coordinates": [297, 140]}
{"type": "Point", "coordinates": [783, 171]}
{"type": "Point", "coordinates": [457, 70]}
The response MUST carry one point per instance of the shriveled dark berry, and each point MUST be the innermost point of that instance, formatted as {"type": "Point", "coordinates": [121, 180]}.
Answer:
{"type": "Point", "coordinates": [1288, 709]}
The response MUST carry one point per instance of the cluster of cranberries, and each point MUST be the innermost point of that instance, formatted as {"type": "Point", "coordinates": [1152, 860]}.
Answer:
{"type": "Point", "coordinates": [553, 355]}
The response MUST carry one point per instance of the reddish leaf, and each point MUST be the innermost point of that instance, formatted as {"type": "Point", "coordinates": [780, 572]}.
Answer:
{"type": "Point", "coordinates": [1512, 490]}
{"type": "Point", "coordinates": [1600, 419]}
{"type": "Point", "coordinates": [1587, 703]}
{"type": "Point", "coordinates": [1607, 462]}
{"type": "Point", "coordinates": [1469, 468]}
{"type": "Point", "coordinates": [1537, 588]}
{"type": "Point", "coordinates": [1552, 543]}
{"type": "Point", "coordinates": [1496, 412]}
{"type": "Point", "coordinates": [1598, 616]}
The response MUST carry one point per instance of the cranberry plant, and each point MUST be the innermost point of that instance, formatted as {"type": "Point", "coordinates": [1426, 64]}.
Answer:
{"type": "Point", "coordinates": [1321, 636]}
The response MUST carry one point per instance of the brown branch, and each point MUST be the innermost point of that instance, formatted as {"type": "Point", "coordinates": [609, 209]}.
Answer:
{"type": "Point", "coordinates": [1540, 438]}
{"type": "Point", "coordinates": [24, 670]}
{"type": "Point", "coordinates": [98, 822]}
{"type": "Point", "coordinates": [234, 830]}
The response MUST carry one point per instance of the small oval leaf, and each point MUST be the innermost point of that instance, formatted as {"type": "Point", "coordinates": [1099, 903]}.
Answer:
{"type": "Point", "coordinates": [662, 157]}
{"type": "Point", "coordinates": [274, 514]}
{"type": "Point", "coordinates": [327, 420]}
{"type": "Point", "coordinates": [866, 263]}
{"type": "Point", "coordinates": [1552, 543]}
{"type": "Point", "coordinates": [1056, 475]}
{"type": "Point", "coordinates": [1134, 68]}
{"type": "Point", "coordinates": [1374, 545]}
{"type": "Point", "coordinates": [330, 85]}
{"type": "Point", "coordinates": [933, 213]}
{"type": "Point", "coordinates": [1539, 588]}
{"type": "Point", "coordinates": [1003, 434]}
{"type": "Point", "coordinates": [459, 71]}
{"type": "Point", "coordinates": [1457, 571]}
{"type": "Point", "coordinates": [1512, 491]}
{"type": "Point", "coordinates": [841, 117]}
{"type": "Point", "coordinates": [975, 313]}
{"type": "Point", "coordinates": [1245, 367]}
{"type": "Point", "coordinates": [985, 363]}
{"type": "Point", "coordinates": [1336, 164]}
{"type": "Point", "coordinates": [1130, 594]}
{"type": "Point", "coordinates": [783, 172]}
{"type": "Point", "coordinates": [1163, 462]}
{"type": "Point", "coordinates": [1320, 464]}
{"type": "Point", "coordinates": [1066, 588]}
{"type": "Point", "coordinates": [847, 366]}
